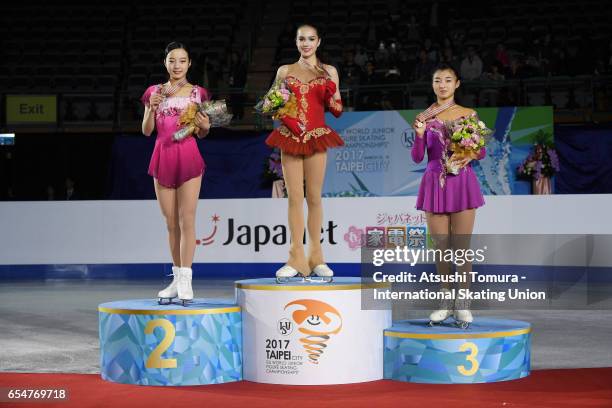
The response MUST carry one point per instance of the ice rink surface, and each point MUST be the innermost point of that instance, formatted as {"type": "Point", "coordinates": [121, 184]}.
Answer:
{"type": "Point", "coordinates": [52, 326]}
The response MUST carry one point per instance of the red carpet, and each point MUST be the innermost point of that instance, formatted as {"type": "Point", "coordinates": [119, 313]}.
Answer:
{"type": "Point", "coordinates": [589, 387]}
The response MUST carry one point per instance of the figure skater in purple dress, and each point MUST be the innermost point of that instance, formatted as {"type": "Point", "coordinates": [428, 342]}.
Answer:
{"type": "Point", "coordinates": [448, 200]}
{"type": "Point", "coordinates": [176, 166]}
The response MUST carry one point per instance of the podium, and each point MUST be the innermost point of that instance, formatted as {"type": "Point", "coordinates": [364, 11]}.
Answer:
{"type": "Point", "coordinates": [308, 333]}
{"type": "Point", "coordinates": [300, 333]}
{"type": "Point", "coordinates": [144, 343]}
{"type": "Point", "coordinates": [491, 350]}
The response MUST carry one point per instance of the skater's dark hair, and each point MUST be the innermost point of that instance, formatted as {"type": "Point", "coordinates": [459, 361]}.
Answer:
{"type": "Point", "coordinates": [176, 45]}
{"type": "Point", "coordinates": [308, 24]}
{"type": "Point", "coordinates": [445, 67]}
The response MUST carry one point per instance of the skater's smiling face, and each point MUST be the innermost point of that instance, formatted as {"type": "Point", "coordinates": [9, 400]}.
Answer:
{"type": "Point", "coordinates": [307, 40]}
{"type": "Point", "coordinates": [445, 83]}
{"type": "Point", "coordinates": [177, 63]}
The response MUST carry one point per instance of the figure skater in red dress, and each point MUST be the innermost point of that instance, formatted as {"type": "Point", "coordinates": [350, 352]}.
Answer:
{"type": "Point", "coordinates": [303, 141]}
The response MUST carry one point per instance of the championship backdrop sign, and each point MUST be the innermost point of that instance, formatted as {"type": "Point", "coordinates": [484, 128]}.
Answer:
{"type": "Point", "coordinates": [376, 159]}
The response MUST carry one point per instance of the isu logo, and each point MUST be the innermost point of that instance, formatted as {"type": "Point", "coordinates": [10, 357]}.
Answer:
{"type": "Point", "coordinates": [285, 327]}
{"type": "Point", "coordinates": [317, 321]}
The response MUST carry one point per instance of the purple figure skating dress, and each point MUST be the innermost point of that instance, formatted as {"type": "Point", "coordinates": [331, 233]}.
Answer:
{"type": "Point", "coordinates": [442, 192]}
{"type": "Point", "coordinates": [173, 163]}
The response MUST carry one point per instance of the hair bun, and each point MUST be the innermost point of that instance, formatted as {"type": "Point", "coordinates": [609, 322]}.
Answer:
{"type": "Point", "coordinates": [176, 45]}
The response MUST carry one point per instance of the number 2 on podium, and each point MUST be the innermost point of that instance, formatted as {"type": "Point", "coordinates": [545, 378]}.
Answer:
{"type": "Point", "coordinates": [473, 348]}
{"type": "Point", "coordinates": [155, 360]}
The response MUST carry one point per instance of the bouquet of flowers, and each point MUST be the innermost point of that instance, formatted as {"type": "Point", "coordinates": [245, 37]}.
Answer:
{"type": "Point", "coordinates": [278, 102]}
{"type": "Point", "coordinates": [541, 162]}
{"type": "Point", "coordinates": [273, 174]}
{"type": "Point", "coordinates": [216, 111]}
{"type": "Point", "coordinates": [468, 135]}
{"type": "Point", "coordinates": [273, 169]}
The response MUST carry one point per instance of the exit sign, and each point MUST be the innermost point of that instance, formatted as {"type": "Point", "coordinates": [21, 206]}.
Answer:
{"type": "Point", "coordinates": [29, 109]}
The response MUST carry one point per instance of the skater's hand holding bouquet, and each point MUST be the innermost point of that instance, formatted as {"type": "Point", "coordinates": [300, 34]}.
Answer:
{"type": "Point", "coordinates": [202, 121]}
{"type": "Point", "coordinates": [280, 104]}
{"type": "Point", "coordinates": [279, 101]}
{"type": "Point", "coordinates": [468, 137]}
{"type": "Point", "coordinates": [202, 116]}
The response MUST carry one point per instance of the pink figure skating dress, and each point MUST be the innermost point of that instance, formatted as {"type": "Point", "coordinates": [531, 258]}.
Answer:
{"type": "Point", "coordinates": [173, 163]}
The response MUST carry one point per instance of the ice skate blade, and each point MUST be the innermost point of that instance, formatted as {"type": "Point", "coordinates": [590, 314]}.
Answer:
{"type": "Point", "coordinates": [438, 323]}
{"type": "Point", "coordinates": [463, 325]}
{"type": "Point", "coordinates": [304, 279]}
{"type": "Point", "coordinates": [161, 300]}
{"type": "Point", "coordinates": [185, 302]}
{"type": "Point", "coordinates": [299, 278]}
{"type": "Point", "coordinates": [320, 279]}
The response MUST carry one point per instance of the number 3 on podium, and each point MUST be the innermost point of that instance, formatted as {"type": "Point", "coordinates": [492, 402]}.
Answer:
{"type": "Point", "coordinates": [155, 360]}
{"type": "Point", "coordinates": [473, 348]}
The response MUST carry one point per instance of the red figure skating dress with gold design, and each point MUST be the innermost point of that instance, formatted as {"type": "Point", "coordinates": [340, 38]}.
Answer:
{"type": "Point", "coordinates": [307, 133]}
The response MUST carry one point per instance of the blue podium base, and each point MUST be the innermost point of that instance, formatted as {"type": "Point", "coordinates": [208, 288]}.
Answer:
{"type": "Point", "coordinates": [144, 343]}
{"type": "Point", "coordinates": [491, 350]}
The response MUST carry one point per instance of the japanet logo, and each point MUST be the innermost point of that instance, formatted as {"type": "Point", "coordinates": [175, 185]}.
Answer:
{"type": "Point", "coordinates": [256, 236]}
{"type": "Point", "coordinates": [210, 238]}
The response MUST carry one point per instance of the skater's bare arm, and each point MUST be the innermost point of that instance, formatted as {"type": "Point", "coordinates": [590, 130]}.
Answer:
{"type": "Point", "coordinates": [148, 120]}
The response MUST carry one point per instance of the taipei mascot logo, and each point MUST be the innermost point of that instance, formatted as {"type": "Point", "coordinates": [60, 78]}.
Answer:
{"type": "Point", "coordinates": [317, 321]}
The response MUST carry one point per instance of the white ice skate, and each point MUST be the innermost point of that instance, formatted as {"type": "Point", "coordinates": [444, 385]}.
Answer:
{"type": "Point", "coordinates": [463, 316]}
{"type": "Point", "coordinates": [444, 312]}
{"type": "Point", "coordinates": [324, 272]}
{"type": "Point", "coordinates": [286, 273]}
{"type": "Point", "coordinates": [185, 292]}
{"type": "Point", "coordinates": [170, 292]}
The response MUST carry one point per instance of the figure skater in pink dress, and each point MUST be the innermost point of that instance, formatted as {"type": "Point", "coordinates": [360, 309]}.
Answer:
{"type": "Point", "coordinates": [176, 166]}
{"type": "Point", "coordinates": [449, 200]}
